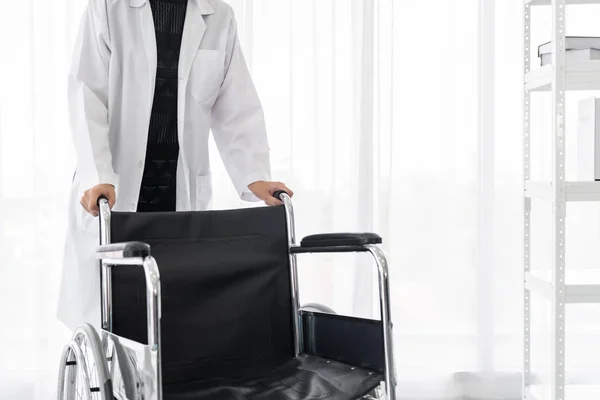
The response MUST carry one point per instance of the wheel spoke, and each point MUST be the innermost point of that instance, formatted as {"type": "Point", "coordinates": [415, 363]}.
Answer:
{"type": "Point", "coordinates": [92, 367]}
{"type": "Point", "coordinates": [82, 372]}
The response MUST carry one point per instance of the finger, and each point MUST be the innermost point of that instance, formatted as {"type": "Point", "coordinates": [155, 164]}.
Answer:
{"type": "Point", "coordinates": [86, 206]}
{"type": "Point", "coordinates": [281, 186]}
{"type": "Point", "coordinates": [93, 206]}
{"type": "Point", "coordinates": [287, 190]}
{"type": "Point", "coordinates": [111, 199]}
{"type": "Point", "coordinates": [83, 203]}
{"type": "Point", "coordinates": [272, 201]}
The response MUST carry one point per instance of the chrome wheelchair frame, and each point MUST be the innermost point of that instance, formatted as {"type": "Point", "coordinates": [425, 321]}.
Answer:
{"type": "Point", "coordinates": [106, 366]}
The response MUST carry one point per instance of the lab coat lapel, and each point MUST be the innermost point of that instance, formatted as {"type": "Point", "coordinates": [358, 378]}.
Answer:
{"type": "Point", "coordinates": [193, 32]}
{"type": "Point", "coordinates": [149, 37]}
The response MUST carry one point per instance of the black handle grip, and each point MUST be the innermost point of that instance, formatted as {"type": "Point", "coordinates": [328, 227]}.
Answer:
{"type": "Point", "coordinates": [278, 194]}
{"type": "Point", "coordinates": [102, 197]}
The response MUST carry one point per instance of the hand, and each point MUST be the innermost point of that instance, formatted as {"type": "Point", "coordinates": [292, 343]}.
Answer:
{"type": "Point", "coordinates": [265, 190]}
{"type": "Point", "coordinates": [90, 197]}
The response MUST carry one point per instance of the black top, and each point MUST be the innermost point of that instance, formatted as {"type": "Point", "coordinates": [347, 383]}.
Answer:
{"type": "Point", "coordinates": [158, 189]}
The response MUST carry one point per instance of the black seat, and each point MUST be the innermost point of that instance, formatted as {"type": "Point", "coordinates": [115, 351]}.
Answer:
{"type": "Point", "coordinates": [305, 378]}
{"type": "Point", "coordinates": [226, 309]}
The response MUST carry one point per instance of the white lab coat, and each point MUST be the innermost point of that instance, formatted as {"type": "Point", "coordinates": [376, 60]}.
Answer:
{"type": "Point", "coordinates": [111, 89]}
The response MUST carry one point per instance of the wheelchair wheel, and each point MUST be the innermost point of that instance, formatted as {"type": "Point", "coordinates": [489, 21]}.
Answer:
{"type": "Point", "coordinates": [83, 369]}
{"type": "Point", "coordinates": [315, 307]}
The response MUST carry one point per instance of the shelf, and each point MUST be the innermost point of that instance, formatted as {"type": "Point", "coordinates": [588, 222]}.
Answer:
{"type": "Point", "coordinates": [575, 191]}
{"type": "Point", "coordinates": [582, 294]}
{"type": "Point", "coordinates": [574, 294]}
{"type": "Point", "coordinates": [583, 191]}
{"type": "Point", "coordinates": [581, 75]}
{"type": "Point", "coordinates": [569, 2]}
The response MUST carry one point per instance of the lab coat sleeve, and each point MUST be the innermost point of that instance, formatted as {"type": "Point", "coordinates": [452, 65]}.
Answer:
{"type": "Point", "coordinates": [238, 123]}
{"type": "Point", "coordinates": [88, 98]}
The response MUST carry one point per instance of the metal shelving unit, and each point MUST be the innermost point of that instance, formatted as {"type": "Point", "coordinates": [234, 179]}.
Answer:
{"type": "Point", "coordinates": [556, 78]}
{"type": "Point", "coordinates": [568, 2]}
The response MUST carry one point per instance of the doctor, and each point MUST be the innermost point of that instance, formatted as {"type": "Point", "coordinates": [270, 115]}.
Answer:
{"type": "Point", "coordinates": [149, 79]}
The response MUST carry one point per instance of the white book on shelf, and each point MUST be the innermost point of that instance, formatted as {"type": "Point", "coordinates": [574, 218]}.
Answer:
{"type": "Point", "coordinates": [588, 146]}
{"type": "Point", "coordinates": [572, 43]}
{"type": "Point", "coordinates": [573, 56]}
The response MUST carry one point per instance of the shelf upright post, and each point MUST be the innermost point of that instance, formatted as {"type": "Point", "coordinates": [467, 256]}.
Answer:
{"type": "Point", "coordinates": [559, 199]}
{"type": "Point", "coordinates": [527, 203]}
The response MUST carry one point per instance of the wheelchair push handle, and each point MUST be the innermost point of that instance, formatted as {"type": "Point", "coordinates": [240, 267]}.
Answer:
{"type": "Point", "coordinates": [279, 194]}
{"type": "Point", "coordinates": [102, 199]}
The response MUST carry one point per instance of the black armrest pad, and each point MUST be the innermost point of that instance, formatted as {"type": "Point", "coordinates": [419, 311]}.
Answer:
{"type": "Point", "coordinates": [124, 250]}
{"type": "Point", "coordinates": [340, 239]}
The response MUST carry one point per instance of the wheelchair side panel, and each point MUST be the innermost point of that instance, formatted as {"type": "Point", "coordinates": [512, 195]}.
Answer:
{"type": "Point", "coordinates": [354, 341]}
{"type": "Point", "coordinates": [133, 368]}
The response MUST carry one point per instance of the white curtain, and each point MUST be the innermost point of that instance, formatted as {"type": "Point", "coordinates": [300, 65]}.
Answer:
{"type": "Point", "coordinates": [378, 121]}
{"type": "Point", "coordinates": [36, 167]}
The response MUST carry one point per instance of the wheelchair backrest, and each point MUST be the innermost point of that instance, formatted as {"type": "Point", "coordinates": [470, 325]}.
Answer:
{"type": "Point", "coordinates": [225, 281]}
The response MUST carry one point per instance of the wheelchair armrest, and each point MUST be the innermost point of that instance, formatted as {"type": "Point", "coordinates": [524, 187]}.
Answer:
{"type": "Point", "coordinates": [123, 250]}
{"type": "Point", "coordinates": [336, 243]}
{"type": "Point", "coordinates": [340, 239]}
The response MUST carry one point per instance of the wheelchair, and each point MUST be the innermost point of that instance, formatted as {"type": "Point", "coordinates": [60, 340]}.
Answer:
{"type": "Point", "coordinates": [222, 320]}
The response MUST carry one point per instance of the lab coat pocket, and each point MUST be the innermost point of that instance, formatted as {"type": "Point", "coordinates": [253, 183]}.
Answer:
{"type": "Point", "coordinates": [203, 192]}
{"type": "Point", "coordinates": [85, 221]}
{"type": "Point", "coordinates": [206, 76]}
